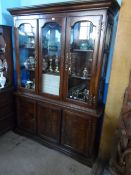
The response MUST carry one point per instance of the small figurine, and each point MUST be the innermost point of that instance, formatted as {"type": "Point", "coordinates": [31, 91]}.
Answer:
{"type": "Point", "coordinates": [86, 94]}
{"type": "Point", "coordinates": [85, 73]}
{"type": "Point", "coordinates": [30, 63]}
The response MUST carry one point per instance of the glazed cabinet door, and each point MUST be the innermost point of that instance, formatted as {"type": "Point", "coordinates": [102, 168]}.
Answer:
{"type": "Point", "coordinates": [6, 57]}
{"type": "Point", "coordinates": [78, 131]}
{"type": "Point", "coordinates": [51, 49]}
{"type": "Point", "coordinates": [81, 59]}
{"type": "Point", "coordinates": [26, 53]}
{"type": "Point", "coordinates": [26, 114]}
{"type": "Point", "coordinates": [49, 118]}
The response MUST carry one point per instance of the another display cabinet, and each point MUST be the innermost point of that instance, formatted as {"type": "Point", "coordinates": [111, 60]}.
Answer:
{"type": "Point", "coordinates": [6, 79]}
{"type": "Point", "coordinates": [62, 55]}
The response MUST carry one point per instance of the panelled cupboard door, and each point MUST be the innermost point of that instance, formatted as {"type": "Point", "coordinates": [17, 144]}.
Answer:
{"type": "Point", "coordinates": [26, 114]}
{"type": "Point", "coordinates": [82, 43]}
{"type": "Point", "coordinates": [26, 54]}
{"type": "Point", "coordinates": [49, 118]}
{"type": "Point", "coordinates": [51, 54]}
{"type": "Point", "coordinates": [77, 132]}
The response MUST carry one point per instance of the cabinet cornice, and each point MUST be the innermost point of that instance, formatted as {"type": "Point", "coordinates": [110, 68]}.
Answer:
{"type": "Point", "coordinates": [64, 7]}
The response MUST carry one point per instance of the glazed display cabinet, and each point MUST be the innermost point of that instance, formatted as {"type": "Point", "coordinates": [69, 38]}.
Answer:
{"type": "Point", "coordinates": [6, 80]}
{"type": "Point", "coordinates": [61, 55]}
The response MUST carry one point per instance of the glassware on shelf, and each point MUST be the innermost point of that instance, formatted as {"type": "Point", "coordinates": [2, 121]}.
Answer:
{"type": "Point", "coordinates": [30, 42]}
{"type": "Point", "coordinates": [30, 63]}
{"type": "Point", "coordinates": [56, 65]}
{"type": "Point", "coordinates": [50, 65]}
{"type": "Point", "coordinates": [83, 44]}
{"type": "Point", "coordinates": [86, 44]}
{"type": "Point", "coordinates": [30, 84]}
{"type": "Point", "coordinates": [53, 47]}
{"type": "Point", "coordinates": [76, 92]}
{"type": "Point", "coordinates": [44, 65]}
{"type": "Point", "coordinates": [26, 36]}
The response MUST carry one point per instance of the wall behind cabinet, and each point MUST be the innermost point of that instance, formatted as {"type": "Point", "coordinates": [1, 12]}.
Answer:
{"type": "Point", "coordinates": [5, 17]}
{"type": "Point", "coordinates": [34, 2]}
{"type": "Point", "coordinates": [0, 14]}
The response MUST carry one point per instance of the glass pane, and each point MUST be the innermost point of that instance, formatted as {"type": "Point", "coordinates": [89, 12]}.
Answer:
{"type": "Point", "coordinates": [51, 50]}
{"type": "Point", "coordinates": [108, 36]}
{"type": "Point", "coordinates": [4, 81]}
{"type": "Point", "coordinates": [80, 60]}
{"type": "Point", "coordinates": [27, 55]}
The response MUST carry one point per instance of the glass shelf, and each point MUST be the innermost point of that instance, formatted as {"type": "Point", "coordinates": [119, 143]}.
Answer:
{"type": "Point", "coordinates": [82, 50]}
{"type": "Point", "coordinates": [28, 47]}
{"type": "Point", "coordinates": [82, 78]}
{"type": "Point", "coordinates": [51, 73]}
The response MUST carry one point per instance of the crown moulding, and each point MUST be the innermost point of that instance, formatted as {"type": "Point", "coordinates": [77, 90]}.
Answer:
{"type": "Point", "coordinates": [65, 6]}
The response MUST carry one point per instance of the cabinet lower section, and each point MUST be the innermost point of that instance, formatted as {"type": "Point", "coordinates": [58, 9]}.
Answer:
{"type": "Point", "coordinates": [6, 110]}
{"type": "Point", "coordinates": [58, 126]}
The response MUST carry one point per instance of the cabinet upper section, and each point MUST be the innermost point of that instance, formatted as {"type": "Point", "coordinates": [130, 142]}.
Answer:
{"type": "Point", "coordinates": [66, 6]}
{"type": "Point", "coordinates": [62, 50]}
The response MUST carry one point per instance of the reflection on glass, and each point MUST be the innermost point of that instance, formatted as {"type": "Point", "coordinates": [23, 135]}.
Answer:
{"type": "Point", "coordinates": [108, 36]}
{"type": "Point", "coordinates": [80, 60]}
{"type": "Point", "coordinates": [51, 50]}
{"type": "Point", "coordinates": [27, 55]}
{"type": "Point", "coordinates": [4, 81]}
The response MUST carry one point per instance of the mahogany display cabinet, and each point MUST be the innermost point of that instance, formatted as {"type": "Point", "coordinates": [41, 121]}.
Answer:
{"type": "Point", "coordinates": [61, 55]}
